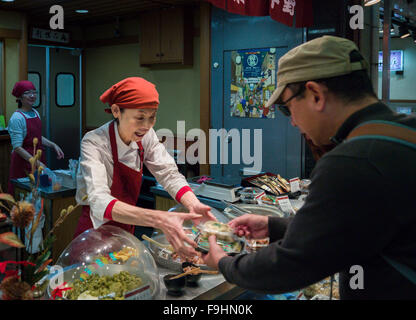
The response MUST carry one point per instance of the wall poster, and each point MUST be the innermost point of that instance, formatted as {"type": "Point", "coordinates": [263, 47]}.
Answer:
{"type": "Point", "coordinates": [253, 80]}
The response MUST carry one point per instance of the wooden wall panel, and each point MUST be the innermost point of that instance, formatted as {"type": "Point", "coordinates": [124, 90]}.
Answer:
{"type": "Point", "coordinates": [5, 154]}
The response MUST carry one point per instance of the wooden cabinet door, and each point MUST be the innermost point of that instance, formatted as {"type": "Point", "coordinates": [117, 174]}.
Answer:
{"type": "Point", "coordinates": [172, 35]}
{"type": "Point", "coordinates": [150, 37]}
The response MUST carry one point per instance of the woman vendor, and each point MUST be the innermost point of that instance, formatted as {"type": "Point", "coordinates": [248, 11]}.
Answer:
{"type": "Point", "coordinates": [24, 126]}
{"type": "Point", "coordinates": [111, 168]}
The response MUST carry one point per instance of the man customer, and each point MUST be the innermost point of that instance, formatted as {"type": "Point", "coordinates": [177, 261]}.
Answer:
{"type": "Point", "coordinates": [361, 206]}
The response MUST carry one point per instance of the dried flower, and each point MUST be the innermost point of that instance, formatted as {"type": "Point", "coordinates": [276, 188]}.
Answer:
{"type": "Point", "coordinates": [14, 289]}
{"type": "Point", "coordinates": [28, 295]}
{"type": "Point", "coordinates": [63, 212]}
{"type": "Point", "coordinates": [32, 178]}
{"type": "Point", "coordinates": [39, 154]}
{"type": "Point", "coordinates": [22, 214]}
{"type": "Point", "coordinates": [35, 141]}
{"type": "Point", "coordinates": [32, 163]}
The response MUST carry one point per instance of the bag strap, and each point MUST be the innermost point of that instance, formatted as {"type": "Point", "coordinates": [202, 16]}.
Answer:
{"type": "Point", "coordinates": [385, 130]}
{"type": "Point", "coordinates": [407, 272]}
{"type": "Point", "coordinates": [394, 132]}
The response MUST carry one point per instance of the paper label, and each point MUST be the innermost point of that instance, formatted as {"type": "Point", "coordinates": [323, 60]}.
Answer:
{"type": "Point", "coordinates": [285, 204]}
{"type": "Point", "coordinates": [294, 185]}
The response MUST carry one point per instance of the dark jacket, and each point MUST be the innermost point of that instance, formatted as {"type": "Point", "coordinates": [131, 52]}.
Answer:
{"type": "Point", "coordinates": [362, 204]}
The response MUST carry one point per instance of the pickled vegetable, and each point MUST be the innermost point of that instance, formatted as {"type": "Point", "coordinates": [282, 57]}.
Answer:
{"type": "Point", "coordinates": [105, 287]}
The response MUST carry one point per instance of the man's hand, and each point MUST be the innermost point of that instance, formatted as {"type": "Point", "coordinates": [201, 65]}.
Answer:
{"type": "Point", "coordinates": [251, 226]}
{"type": "Point", "coordinates": [215, 253]}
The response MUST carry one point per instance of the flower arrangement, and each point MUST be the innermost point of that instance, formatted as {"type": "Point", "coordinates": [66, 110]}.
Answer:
{"type": "Point", "coordinates": [20, 283]}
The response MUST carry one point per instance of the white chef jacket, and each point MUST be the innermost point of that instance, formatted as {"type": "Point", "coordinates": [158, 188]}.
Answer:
{"type": "Point", "coordinates": [95, 175]}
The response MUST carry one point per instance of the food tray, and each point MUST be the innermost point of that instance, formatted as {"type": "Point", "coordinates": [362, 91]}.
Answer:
{"type": "Point", "coordinates": [248, 182]}
{"type": "Point", "coordinates": [144, 292]}
{"type": "Point", "coordinates": [164, 258]}
{"type": "Point", "coordinates": [260, 209]}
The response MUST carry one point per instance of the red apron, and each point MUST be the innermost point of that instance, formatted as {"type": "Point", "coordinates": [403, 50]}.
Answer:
{"type": "Point", "coordinates": [19, 167]}
{"type": "Point", "coordinates": [125, 187]}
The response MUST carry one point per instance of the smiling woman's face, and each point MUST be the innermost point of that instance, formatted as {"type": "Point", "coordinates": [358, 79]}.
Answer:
{"type": "Point", "coordinates": [28, 98]}
{"type": "Point", "coordinates": [133, 124]}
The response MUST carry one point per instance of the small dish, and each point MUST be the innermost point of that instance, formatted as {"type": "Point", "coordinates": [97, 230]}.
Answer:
{"type": "Point", "coordinates": [191, 279]}
{"type": "Point", "coordinates": [174, 286]}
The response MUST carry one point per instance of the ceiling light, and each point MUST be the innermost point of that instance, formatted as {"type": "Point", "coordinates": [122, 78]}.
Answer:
{"type": "Point", "coordinates": [7, 0]}
{"type": "Point", "coordinates": [368, 3]}
{"type": "Point", "coordinates": [81, 11]}
{"type": "Point", "coordinates": [403, 32]}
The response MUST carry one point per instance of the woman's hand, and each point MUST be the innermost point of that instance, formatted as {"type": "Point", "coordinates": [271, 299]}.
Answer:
{"type": "Point", "coordinates": [191, 202]}
{"type": "Point", "coordinates": [171, 225]}
{"type": "Point", "coordinates": [203, 210]}
{"type": "Point", "coordinates": [251, 226]}
{"type": "Point", "coordinates": [215, 253]}
{"type": "Point", "coordinates": [58, 151]}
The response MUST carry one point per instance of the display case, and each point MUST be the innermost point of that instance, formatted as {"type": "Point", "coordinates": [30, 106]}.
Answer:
{"type": "Point", "coordinates": [106, 263]}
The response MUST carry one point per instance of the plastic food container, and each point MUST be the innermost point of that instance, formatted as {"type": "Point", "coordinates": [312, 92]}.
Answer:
{"type": "Point", "coordinates": [224, 234]}
{"type": "Point", "coordinates": [266, 199]}
{"type": "Point", "coordinates": [251, 195]}
{"type": "Point", "coordinates": [231, 248]}
{"type": "Point", "coordinates": [304, 184]}
{"type": "Point", "coordinates": [255, 245]}
{"type": "Point", "coordinates": [222, 231]}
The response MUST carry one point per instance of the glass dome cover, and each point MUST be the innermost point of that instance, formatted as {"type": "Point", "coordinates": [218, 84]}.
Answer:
{"type": "Point", "coordinates": [107, 263]}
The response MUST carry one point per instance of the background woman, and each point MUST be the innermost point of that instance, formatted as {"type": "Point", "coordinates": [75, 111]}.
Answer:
{"type": "Point", "coordinates": [24, 126]}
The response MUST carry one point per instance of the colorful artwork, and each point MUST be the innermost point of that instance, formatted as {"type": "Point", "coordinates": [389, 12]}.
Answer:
{"type": "Point", "coordinates": [396, 60]}
{"type": "Point", "coordinates": [253, 80]}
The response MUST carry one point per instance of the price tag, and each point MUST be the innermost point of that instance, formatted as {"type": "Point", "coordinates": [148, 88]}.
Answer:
{"type": "Point", "coordinates": [294, 185]}
{"type": "Point", "coordinates": [285, 204]}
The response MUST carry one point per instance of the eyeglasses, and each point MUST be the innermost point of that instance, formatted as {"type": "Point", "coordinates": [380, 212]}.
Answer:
{"type": "Point", "coordinates": [30, 93]}
{"type": "Point", "coordinates": [283, 108]}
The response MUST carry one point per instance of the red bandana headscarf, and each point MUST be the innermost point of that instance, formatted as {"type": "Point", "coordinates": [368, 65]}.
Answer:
{"type": "Point", "coordinates": [22, 86]}
{"type": "Point", "coordinates": [132, 93]}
